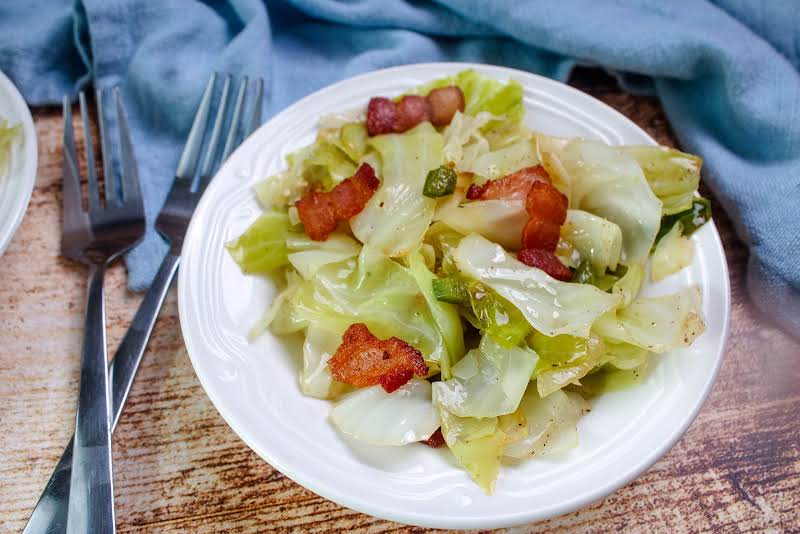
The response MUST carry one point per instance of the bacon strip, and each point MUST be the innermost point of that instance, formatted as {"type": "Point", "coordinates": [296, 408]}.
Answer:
{"type": "Point", "coordinates": [386, 116]}
{"type": "Point", "coordinates": [547, 209]}
{"type": "Point", "coordinates": [546, 261]}
{"type": "Point", "coordinates": [514, 186]}
{"type": "Point", "coordinates": [436, 439]}
{"type": "Point", "coordinates": [320, 212]}
{"type": "Point", "coordinates": [445, 101]}
{"type": "Point", "coordinates": [364, 360]}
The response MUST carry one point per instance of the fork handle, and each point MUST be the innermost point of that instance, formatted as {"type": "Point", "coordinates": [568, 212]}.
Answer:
{"type": "Point", "coordinates": [91, 501]}
{"type": "Point", "coordinates": [50, 514]}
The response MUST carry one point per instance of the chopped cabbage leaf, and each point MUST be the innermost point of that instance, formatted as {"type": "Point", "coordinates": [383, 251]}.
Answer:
{"type": "Point", "coordinates": [605, 181]}
{"type": "Point", "coordinates": [444, 241]}
{"type": "Point", "coordinates": [489, 381]}
{"type": "Point", "coordinates": [315, 376]}
{"type": "Point", "coordinates": [500, 162]}
{"type": "Point", "coordinates": [262, 247]}
{"type": "Point", "coordinates": [445, 315]}
{"type": "Point", "coordinates": [7, 135]}
{"type": "Point", "coordinates": [307, 255]}
{"type": "Point", "coordinates": [596, 239]}
{"type": "Point", "coordinates": [673, 252]}
{"type": "Point", "coordinates": [463, 139]}
{"type": "Point", "coordinates": [373, 290]}
{"type": "Point", "coordinates": [550, 306]}
{"type": "Point", "coordinates": [501, 221]}
{"type": "Point", "coordinates": [673, 175]}
{"type": "Point", "coordinates": [629, 285]}
{"type": "Point", "coordinates": [398, 214]}
{"type": "Point", "coordinates": [477, 445]}
{"type": "Point", "coordinates": [564, 360]}
{"type": "Point", "coordinates": [624, 356]}
{"type": "Point", "coordinates": [657, 324]}
{"type": "Point", "coordinates": [496, 316]}
{"type": "Point", "coordinates": [279, 317]}
{"type": "Point", "coordinates": [373, 416]}
{"type": "Point", "coordinates": [551, 423]}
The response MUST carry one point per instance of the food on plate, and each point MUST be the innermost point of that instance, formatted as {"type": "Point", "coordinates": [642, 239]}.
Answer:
{"type": "Point", "coordinates": [8, 134]}
{"type": "Point", "coordinates": [464, 281]}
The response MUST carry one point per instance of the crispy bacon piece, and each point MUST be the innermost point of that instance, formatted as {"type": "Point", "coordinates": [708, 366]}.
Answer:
{"type": "Point", "coordinates": [546, 261]}
{"type": "Point", "coordinates": [364, 360]}
{"type": "Point", "coordinates": [436, 439]}
{"type": "Point", "coordinates": [547, 209]}
{"type": "Point", "coordinates": [411, 110]}
{"type": "Point", "coordinates": [540, 233]}
{"type": "Point", "coordinates": [514, 186]}
{"type": "Point", "coordinates": [387, 116]}
{"type": "Point", "coordinates": [445, 101]}
{"type": "Point", "coordinates": [320, 211]}
{"type": "Point", "coordinates": [381, 113]}
{"type": "Point", "coordinates": [547, 202]}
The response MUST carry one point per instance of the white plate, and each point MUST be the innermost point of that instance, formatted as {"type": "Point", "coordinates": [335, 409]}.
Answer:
{"type": "Point", "coordinates": [254, 385]}
{"type": "Point", "coordinates": [16, 187]}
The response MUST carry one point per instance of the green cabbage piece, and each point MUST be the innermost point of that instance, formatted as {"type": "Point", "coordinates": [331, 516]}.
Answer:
{"type": "Point", "coordinates": [501, 221]}
{"type": "Point", "coordinates": [262, 247]}
{"type": "Point", "coordinates": [658, 324]}
{"type": "Point", "coordinates": [388, 419]}
{"type": "Point", "coordinates": [673, 252]}
{"type": "Point", "coordinates": [445, 315]}
{"type": "Point", "coordinates": [550, 423]}
{"type": "Point", "coordinates": [477, 445]}
{"type": "Point", "coordinates": [607, 182]}
{"type": "Point", "coordinates": [373, 290]}
{"type": "Point", "coordinates": [308, 256]}
{"type": "Point", "coordinates": [629, 285]}
{"type": "Point", "coordinates": [564, 359]}
{"type": "Point", "coordinates": [597, 240]}
{"type": "Point", "coordinates": [397, 216]}
{"type": "Point", "coordinates": [496, 316]}
{"type": "Point", "coordinates": [7, 135]}
{"type": "Point", "coordinates": [444, 241]}
{"type": "Point", "coordinates": [315, 376]}
{"type": "Point", "coordinates": [489, 381]}
{"type": "Point", "coordinates": [673, 175]}
{"type": "Point", "coordinates": [550, 306]}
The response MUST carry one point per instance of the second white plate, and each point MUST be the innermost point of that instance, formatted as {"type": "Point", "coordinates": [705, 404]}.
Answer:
{"type": "Point", "coordinates": [254, 385]}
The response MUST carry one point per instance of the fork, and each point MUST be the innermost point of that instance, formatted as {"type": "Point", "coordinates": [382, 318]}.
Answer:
{"type": "Point", "coordinates": [96, 238]}
{"type": "Point", "coordinates": [50, 513]}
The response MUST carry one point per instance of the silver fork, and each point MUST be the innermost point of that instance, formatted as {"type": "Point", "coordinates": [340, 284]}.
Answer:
{"type": "Point", "coordinates": [50, 513]}
{"type": "Point", "coordinates": [96, 238]}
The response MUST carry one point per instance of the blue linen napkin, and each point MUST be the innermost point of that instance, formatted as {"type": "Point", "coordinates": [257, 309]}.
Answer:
{"type": "Point", "coordinates": [726, 73]}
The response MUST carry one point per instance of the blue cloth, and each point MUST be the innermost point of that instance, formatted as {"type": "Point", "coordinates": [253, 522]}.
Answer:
{"type": "Point", "coordinates": [726, 73]}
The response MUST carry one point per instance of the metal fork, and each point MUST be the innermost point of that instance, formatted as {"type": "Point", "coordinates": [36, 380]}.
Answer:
{"type": "Point", "coordinates": [96, 238]}
{"type": "Point", "coordinates": [50, 513]}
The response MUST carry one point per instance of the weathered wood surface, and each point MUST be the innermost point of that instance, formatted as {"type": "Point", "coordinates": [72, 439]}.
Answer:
{"type": "Point", "coordinates": [179, 468]}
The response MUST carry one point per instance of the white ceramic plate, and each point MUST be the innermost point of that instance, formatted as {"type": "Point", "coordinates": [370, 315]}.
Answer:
{"type": "Point", "coordinates": [254, 385]}
{"type": "Point", "coordinates": [17, 185]}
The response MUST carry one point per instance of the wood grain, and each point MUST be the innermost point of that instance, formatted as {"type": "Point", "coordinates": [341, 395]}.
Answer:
{"type": "Point", "coordinates": [179, 468]}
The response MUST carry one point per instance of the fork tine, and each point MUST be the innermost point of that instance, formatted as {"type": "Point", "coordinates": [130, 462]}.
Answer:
{"type": "Point", "coordinates": [91, 170]}
{"type": "Point", "coordinates": [191, 152]}
{"type": "Point", "coordinates": [131, 189]}
{"type": "Point", "coordinates": [216, 132]}
{"type": "Point", "coordinates": [110, 180]}
{"type": "Point", "coordinates": [255, 118]}
{"type": "Point", "coordinates": [72, 202]}
{"type": "Point", "coordinates": [233, 129]}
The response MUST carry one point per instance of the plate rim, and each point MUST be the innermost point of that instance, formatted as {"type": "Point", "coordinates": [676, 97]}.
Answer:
{"type": "Point", "coordinates": [10, 225]}
{"type": "Point", "coordinates": [354, 502]}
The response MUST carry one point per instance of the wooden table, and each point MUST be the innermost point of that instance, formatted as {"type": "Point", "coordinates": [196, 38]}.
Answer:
{"type": "Point", "coordinates": [179, 468]}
